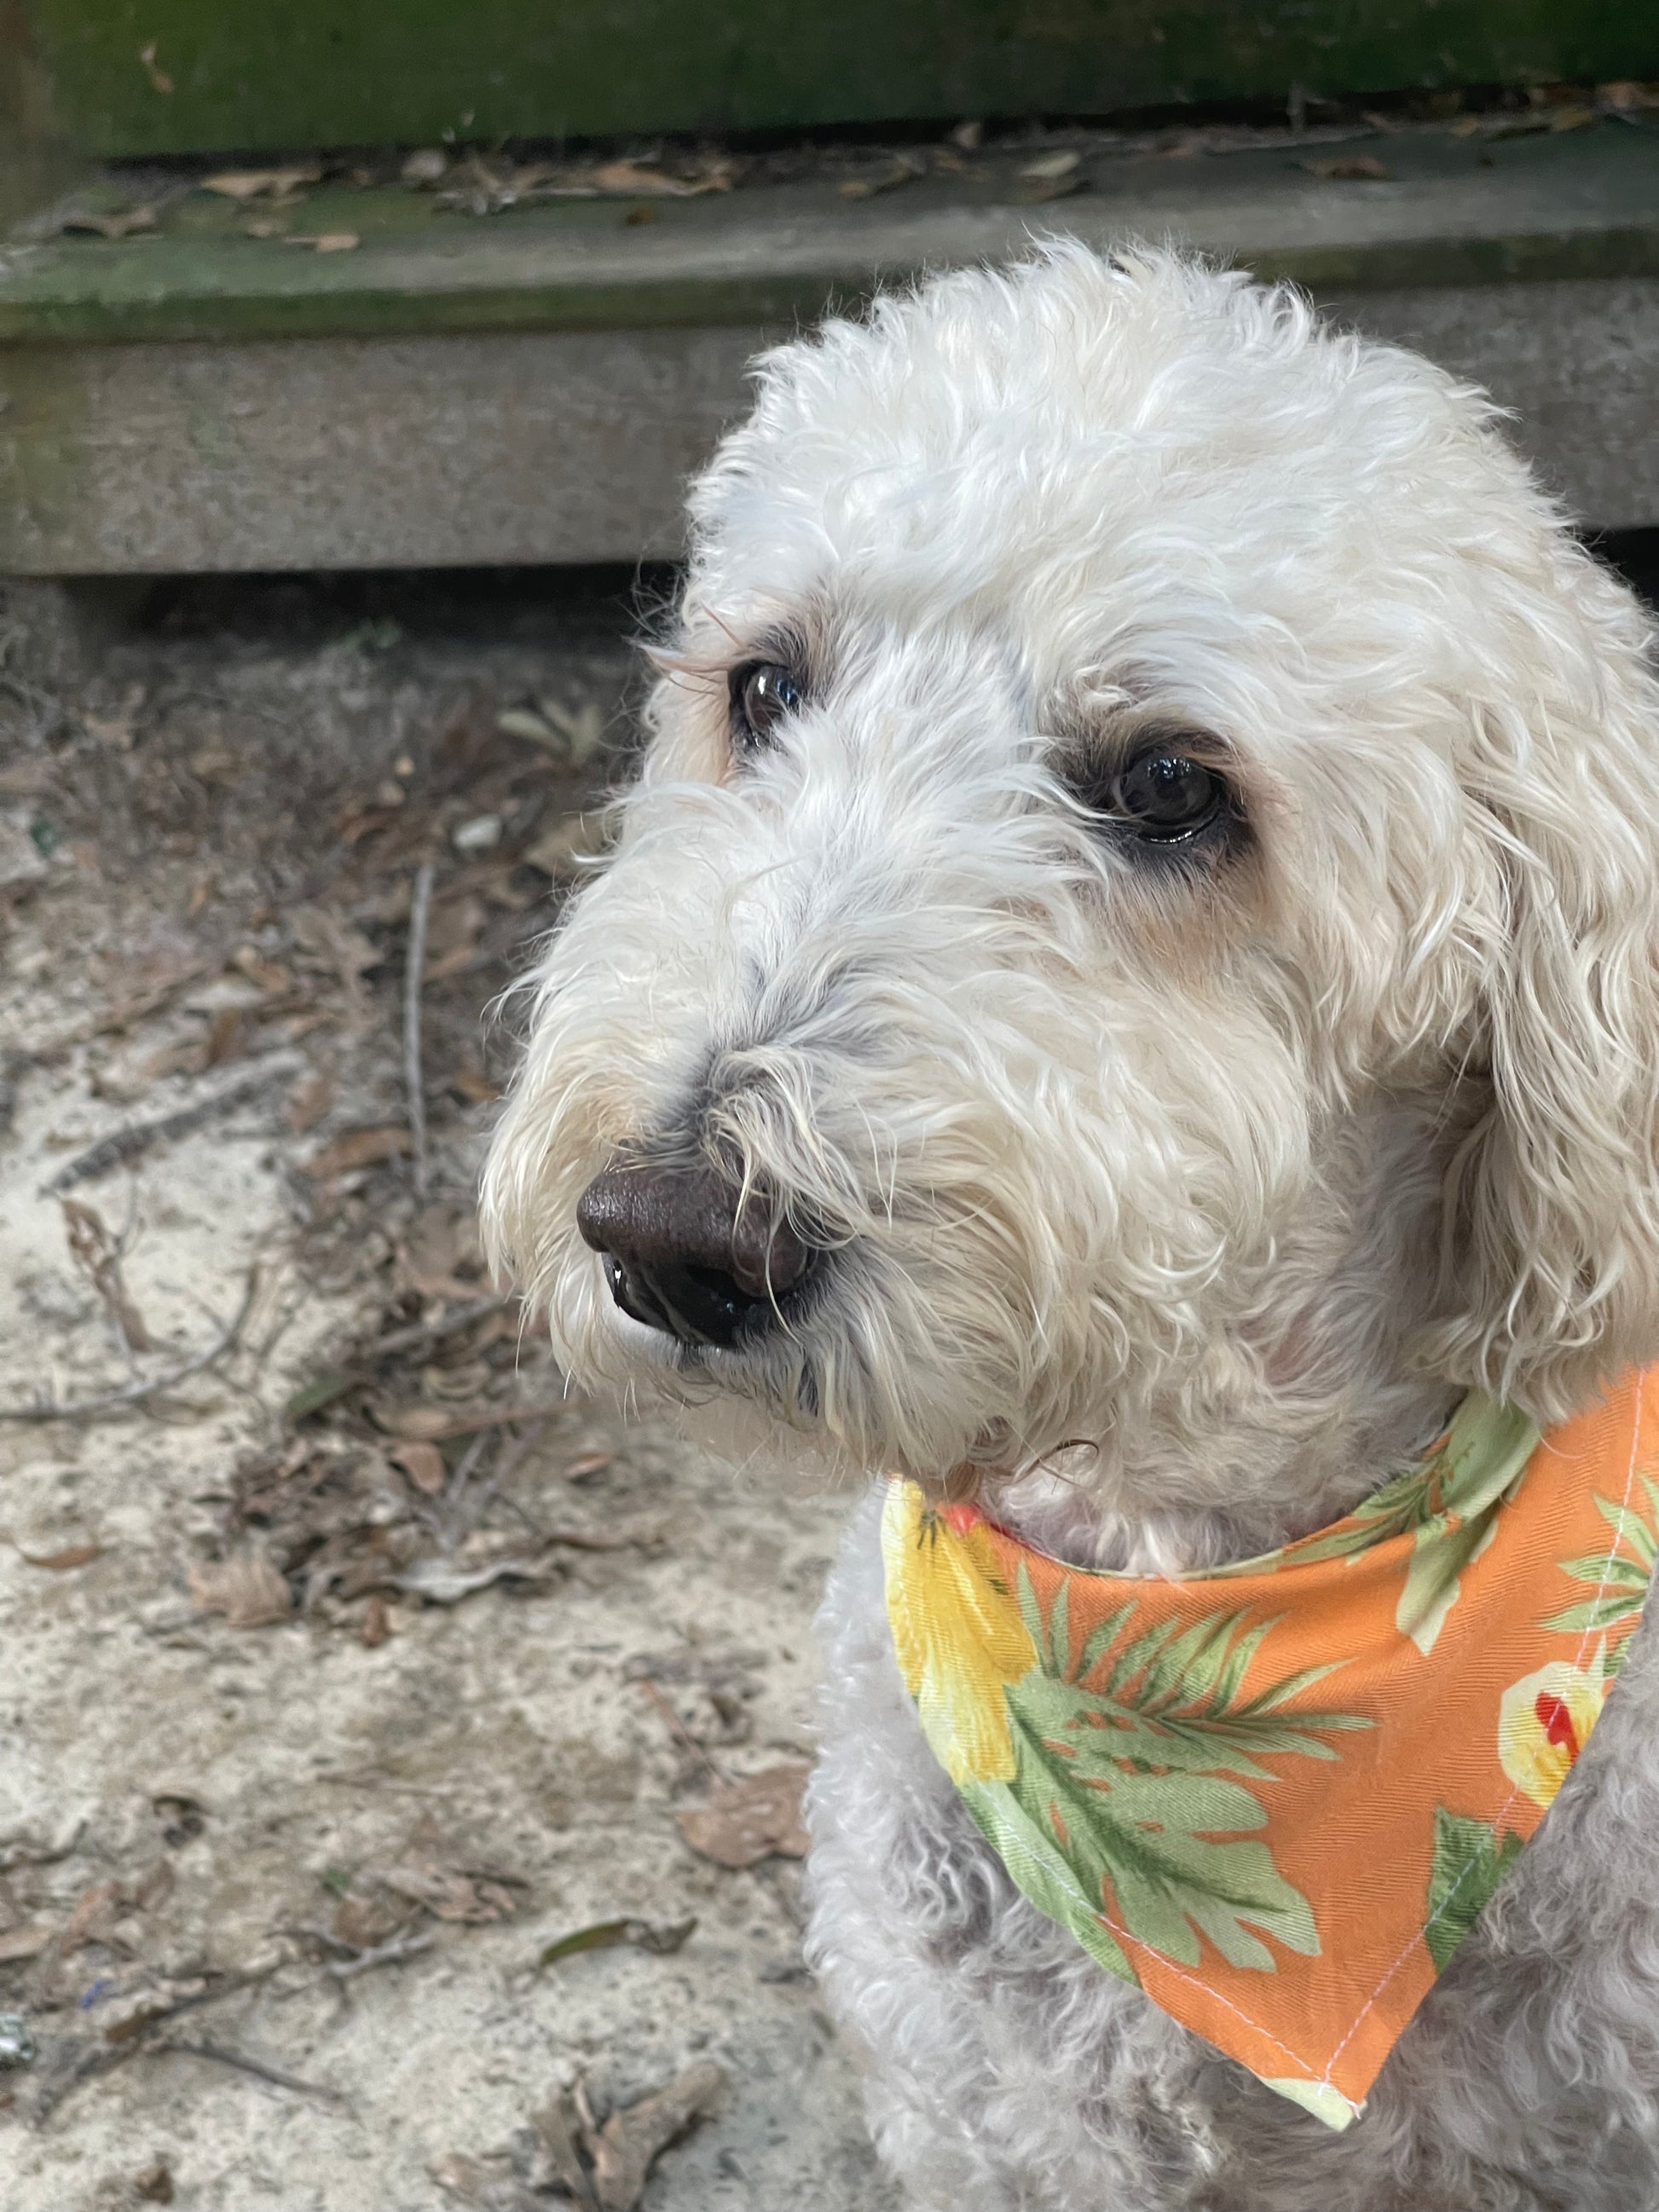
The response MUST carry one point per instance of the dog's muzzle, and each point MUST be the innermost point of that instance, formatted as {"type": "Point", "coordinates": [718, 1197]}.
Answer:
{"type": "Point", "coordinates": [687, 1253]}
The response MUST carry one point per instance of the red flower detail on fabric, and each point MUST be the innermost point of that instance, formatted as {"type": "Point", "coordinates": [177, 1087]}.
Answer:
{"type": "Point", "coordinates": [1556, 1721]}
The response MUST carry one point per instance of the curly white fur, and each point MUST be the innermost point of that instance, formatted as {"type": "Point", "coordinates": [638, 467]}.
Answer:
{"type": "Point", "coordinates": [1177, 1202]}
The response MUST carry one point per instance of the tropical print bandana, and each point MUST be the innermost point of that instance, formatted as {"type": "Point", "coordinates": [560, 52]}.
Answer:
{"type": "Point", "coordinates": [1275, 1796]}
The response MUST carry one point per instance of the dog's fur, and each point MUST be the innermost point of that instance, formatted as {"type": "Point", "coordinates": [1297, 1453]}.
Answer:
{"type": "Point", "coordinates": [1172, 1201]}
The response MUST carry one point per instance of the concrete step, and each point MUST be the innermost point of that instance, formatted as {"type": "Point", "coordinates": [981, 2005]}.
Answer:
{"type": "Point", "coordinates": [534, 385]}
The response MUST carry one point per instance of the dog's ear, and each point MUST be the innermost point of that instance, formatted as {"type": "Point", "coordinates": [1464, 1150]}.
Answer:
{"type": "Point", "coordinates": [1551, 1224]}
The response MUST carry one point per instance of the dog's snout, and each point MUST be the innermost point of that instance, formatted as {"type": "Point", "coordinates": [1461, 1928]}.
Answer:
{"type": "Point", "coordinates": [686, 1252]}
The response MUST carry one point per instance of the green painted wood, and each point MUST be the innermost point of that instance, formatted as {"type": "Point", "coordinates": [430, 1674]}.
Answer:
{"type": "Point", "coordinates": [1583, 203]}
{"type": "Point", "coordinates": [118, 77]}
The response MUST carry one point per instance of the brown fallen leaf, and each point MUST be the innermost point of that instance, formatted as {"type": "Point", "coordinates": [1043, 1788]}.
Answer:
{"type": "Point", "coordinates": [751, 1820]}
{"type": "Point", "coordinates": [248, 1588]}
{"type": "Point", "coordinates": [326, 241]}
{"type": "Point", "coordinates": [96, 1911]}
{"type": "Point", "coordinates": [475, 1086]}
{"type": "Point", "coordinates": [309, 1103]}
{"type": "Point", "coordinates": [97, 1251]}
{"type": "Point", "coordinates": [423, 1464]}
{"type": "Point", "coordinates": [632, 177]}
{"type": "Point", "coordinates": [123, 223]}
{"type": "Point", "coordinates": [376, 1625]}
{"type": "Point", "coordinates": [359, 1148]}
{"type": "Point", "coordinates": [244, 185]}
{"type": "Point", "coordinates": [269, 976]}
{"type": "Point", "coordinates": [630, 2141]}
{"type": "Point", "coordinates": [60, 1563]}
{"type": "Point", "coordinates": [414, 1424]}
{"type": "Point", "coordinates": [155, 2185]}
{"type": "Point", "coordinates": [556, 2164]}
{"type": "Point", "coordinates": [902, 169]}
{"type": "Point", "coordinates": [482, 2185]}
{"type": "Point", "coordinates": [448, 1894]}
{"type": "Point", "coordinates": [565, 850]}
{"type": "Point", "coordinates": [1345, 167]}
{"type": "Point", "coordinates": [27, 1941]}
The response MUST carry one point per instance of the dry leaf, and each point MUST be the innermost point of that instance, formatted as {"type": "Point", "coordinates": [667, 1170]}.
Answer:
{"type": "Point", "coordinates": [376, 1625]}
{"type": "Point", "coordinates": [482, 2185]}
{"type": "Point", "coordinates": [269, 976]}
{"type": "Point", "coordinates": [628, 2144]}
{"type": "Point", "coordinates": [309, 1103]}
{"type": "Point", "coordinates": [1052, 167]}
{"type": "Point", "coordinates": [121, 224]}
{"type": "Point", "coordinates": [902, 169]}
{"type": "Point", "coordinates": [475, 1086]}
{"type": "Point", "coordinates": [449, 1894]}
{"type": "Point", "coordinates": [439, 1582]}
{"type": "Point", "coordinates": [359, 1148]}
{"type": "Point", "coordinates": [155, 2185]}
{"type": "Point", "coordinates": [96, 1911]}
{"type": "Point", "coordinates": [326, 241]}
{"type": "Point", "coordinates": [428, 165]}
{"type": "Point", "coordinates": [415, 1424]}
{"type": "Point", "coordinates": [244, 185]}
{"type": "Point", "coordinates": [423, 1464]}
{"type": "Point", "coordinates": [1345, 167]}
{"type": "Point", "coordinates": [98, 1253]}
{"type": "Point", "coordinates": [751, 1820]}
{"type": "Point", "coordinates": [58, 1563]}
{"type": "Point", "coordinates": [556, 2160]}
{"type": "Point", "coordinates": [571, 843]}
{"type": "Point", "coordinates": [248, 1588]}
{"type": "Point", "coordinates": [27, 1941]}
{"type": "Point", "coordinates": [631, 176]}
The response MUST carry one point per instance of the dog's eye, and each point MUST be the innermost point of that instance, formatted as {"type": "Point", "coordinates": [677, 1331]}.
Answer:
{"type": "Point", "coordinates": [1166, 796]}
{"type": "Point", "coordinates": [762, 693]}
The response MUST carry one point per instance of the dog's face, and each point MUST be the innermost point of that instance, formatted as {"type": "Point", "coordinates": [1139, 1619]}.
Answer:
{"type": "Point", "coordinates": [1147, 851]}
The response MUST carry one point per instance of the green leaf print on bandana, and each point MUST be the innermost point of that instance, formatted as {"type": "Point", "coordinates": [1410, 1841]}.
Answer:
{"type": "Point", "coordinates": [1470, 1861]}
{"type": "Point", "coordinates": [1449, 1507]}
{"type": "Point", "coordinates": [1123, 1788]}
{"type": "Point", "coordinates": [1620, 1581]}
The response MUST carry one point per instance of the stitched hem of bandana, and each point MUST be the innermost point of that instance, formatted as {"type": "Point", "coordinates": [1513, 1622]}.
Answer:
{"type": "Point", "coordinates": [1311, 2086]}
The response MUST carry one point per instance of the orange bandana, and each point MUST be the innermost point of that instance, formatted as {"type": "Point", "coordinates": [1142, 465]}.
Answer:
{"type": "Point", "coordinates": [1277, 1795]}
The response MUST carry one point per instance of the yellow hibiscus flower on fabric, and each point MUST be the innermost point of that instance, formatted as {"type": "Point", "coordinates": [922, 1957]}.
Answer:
{"type": "Point", "coordinates": [956, 1632]}
{"type": "Point", "coordinates": [1544, 1722]}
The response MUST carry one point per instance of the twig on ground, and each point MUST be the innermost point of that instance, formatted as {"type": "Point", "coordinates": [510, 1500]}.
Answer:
{"type": "Point", "coordinates": [390, 1953]}
{"type": "Point", "coordinates": [467, 1515]}
{"type": "Point", "coordinates": [419, 909]}
{"type": "Point", "coordinates": [126, 1143]}
{"type": "Point", "coordinates": [454, 1495]}
{"type": "Point", "coordinates": [420, 1334]}
{"type": "Point", "coordinates": [135, 1394]}
{"type": "Point", "coordinates": [468, 1425]}
{"type": "Point", "coordinates": [220, 2054]}
{"type": "Point", "coordinates": [678, 1730]}
{"type": "Point", "coordinates": [334, 1381]}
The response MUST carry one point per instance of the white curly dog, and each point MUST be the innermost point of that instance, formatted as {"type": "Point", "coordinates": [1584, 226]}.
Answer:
{"type": "Point", "coordinates": [1130, 981]}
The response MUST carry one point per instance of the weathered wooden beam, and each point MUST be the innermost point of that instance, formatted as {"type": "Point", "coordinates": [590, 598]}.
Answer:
{"type": "Point", "coordinates": [181, 76]}
{"type": "Point", "coordinates": [536, 386]}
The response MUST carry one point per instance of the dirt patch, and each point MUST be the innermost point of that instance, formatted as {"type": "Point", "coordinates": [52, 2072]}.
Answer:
{"type": "Point", "coordinates": [362, 1689]}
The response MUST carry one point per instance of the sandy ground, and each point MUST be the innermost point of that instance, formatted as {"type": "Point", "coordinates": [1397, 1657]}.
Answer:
{"type": "Point", "coordinates": [318, 1727]}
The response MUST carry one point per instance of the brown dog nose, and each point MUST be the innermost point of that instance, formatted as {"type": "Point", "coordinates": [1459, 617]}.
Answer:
{"type": "Point", "coordinates": [681, 1256]}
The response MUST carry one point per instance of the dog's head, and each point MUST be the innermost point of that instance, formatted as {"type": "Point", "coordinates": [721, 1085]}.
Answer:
{"type": "Point", "coordinates": [1142, 904]}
